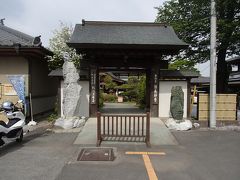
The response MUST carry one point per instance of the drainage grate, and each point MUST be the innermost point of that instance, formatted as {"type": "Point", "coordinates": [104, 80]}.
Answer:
{"type": "Point", "coordinates": [96, 154]}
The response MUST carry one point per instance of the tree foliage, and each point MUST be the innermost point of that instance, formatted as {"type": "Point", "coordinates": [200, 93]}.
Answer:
{"type": "Point", "coordinates": [183, 64]}
{"type": "Point", "coordinates": [109, 84]}
{"type": "Point", "coordinates": [131, 88]}
{"type": "Point", "coordinates": [191, 21]}
{"type": "Point", "coordinates": [135, 90]}
{"type": "Point", "coordinates": [58, 46]}
{"type": "Point", "coordinates": [141, 99]}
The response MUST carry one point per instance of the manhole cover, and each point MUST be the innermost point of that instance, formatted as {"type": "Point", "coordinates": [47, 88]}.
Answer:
{"type": "Point", "coordinates": [96, 154]}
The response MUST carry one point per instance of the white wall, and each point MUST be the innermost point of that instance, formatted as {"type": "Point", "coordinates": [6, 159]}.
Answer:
{"type": "Point", "coordinates": [84, 100]}
{"type": "Point", "coordinates": [165, 96]}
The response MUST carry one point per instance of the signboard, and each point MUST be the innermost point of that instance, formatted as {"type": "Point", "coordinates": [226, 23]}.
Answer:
{"type": "Point", "coordinates": [9, 90]}
{"type": "Point", "coordinates": [17, 82]}
{"type": "Point", "coordinates": [93, 86]}
{"type": "Point", "coordinates": [155, 89]}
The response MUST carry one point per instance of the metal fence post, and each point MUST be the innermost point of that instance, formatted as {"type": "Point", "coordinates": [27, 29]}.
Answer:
{"type": "Point", "coordinates": [98, 128]}
{"type": "Point", "coordinates": [148, 130]}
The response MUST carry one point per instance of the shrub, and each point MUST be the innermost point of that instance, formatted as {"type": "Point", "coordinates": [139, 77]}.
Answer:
{"type": "Point", "coordinates": [101, 101]}
{"type": "Point", "coordinates": [109, 97]}
{"type": "Point", "coordinates": [141, 94]}
{"type": "Point", "coordinates": [52, 117]}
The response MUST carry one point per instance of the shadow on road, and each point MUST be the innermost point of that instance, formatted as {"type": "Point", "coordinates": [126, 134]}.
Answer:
{"type": "Point", "coordinates": [13, 146]}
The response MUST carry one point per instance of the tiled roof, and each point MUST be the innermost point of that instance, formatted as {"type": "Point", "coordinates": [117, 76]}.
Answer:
{"type": "Point", "coordinates": [125, 33]}
{"type": "Point", "coordinates": [178, 74]}
{"type": "Point", "coordinates": [56, 72]}
{"type": "Point", "coordinates": [235, 60]}
{"type": "Point", "coordinates": [9, 36]}
{"type": "Point", "coordinates": [59, 72]}
{"type": "Point", "coordinates": [200, 80]}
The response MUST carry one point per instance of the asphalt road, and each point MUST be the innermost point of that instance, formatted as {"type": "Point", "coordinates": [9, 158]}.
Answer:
{"type": "Point", "coordinates": [41, 156]}
{"type": "Point", "coordinates": [212, 155]}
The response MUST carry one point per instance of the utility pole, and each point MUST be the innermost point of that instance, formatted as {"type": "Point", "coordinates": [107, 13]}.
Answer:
{"type": "Point", "coordinates": [213, 65]}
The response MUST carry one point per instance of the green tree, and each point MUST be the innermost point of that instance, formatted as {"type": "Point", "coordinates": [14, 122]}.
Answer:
{"type": "Point", "coordinates": [135, 90]}
{"type": "Point", "coordinates": [141, 94]}
{"type": "Point", "coordinates": [131, 88]}
{"type": "Point", "coordinates": [191, 20]}
{"type": "Point", "coordinates": [183, 64]}
{"type": "Point", "coordinates": [58, 46]}
{"type": "Point", "coordinates": [109, 84]}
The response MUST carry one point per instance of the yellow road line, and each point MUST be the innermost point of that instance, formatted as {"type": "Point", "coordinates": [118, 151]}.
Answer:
{"type": "Point", "coordinates": [150, 170]}
{"type": "Point", "coordinates": [146, 153]}
{"type": "Point", "coordinates": [151, 173]}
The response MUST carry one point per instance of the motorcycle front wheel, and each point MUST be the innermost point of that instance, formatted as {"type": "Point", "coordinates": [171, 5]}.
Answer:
{"type": "Point", "coordinates": [1, 142]}
{"type": "Point", "coordinates": [20, 138]}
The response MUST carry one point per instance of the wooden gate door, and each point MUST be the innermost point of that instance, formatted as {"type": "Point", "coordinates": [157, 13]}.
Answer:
{"type": "Point", "coordinates": [128, 128]}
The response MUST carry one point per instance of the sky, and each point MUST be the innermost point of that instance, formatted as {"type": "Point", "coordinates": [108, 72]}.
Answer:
{"type": "Point", "coordinates": [42, 17]}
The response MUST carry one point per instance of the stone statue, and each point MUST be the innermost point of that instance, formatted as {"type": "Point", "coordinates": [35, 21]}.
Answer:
{"type": "Point", "coordinates": [71, 96]}
{"type": "Point", "coordinates": [72, 89]}
{"type": "Point", "coordinates": [177, 102]}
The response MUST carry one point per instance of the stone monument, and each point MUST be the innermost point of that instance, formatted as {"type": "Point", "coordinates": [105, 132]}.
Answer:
{"type": "Point", "coordinates": [177, 109]}
{"type": "Point", "coordinates": [71, 96]}
{"type": "Point", "coordinates": [177, 102]}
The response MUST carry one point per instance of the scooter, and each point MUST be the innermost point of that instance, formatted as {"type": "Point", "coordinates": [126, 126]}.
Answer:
{"type": "Point", "coordinates": [13, 129]}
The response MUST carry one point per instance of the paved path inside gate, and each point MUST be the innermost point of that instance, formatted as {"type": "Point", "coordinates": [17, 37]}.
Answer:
{"type": "Point", "coordinates": [121, 108]}
{"type": "Point", "coordinates": [159, 134]}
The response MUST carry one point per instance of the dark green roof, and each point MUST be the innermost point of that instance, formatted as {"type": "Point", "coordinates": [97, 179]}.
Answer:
{"type": "Point", "coordinates": [125, 33]}
{"type": "Point", "coordinates": [200, 80]}
{"type": "Point", "coordinates": [59, 72]}
{"type": "Point", "coordinates": [234, 60]}
{"type": "Point", "coordinates": [9, 36]}
{"type": "Point", "coordinates": [178, 74]}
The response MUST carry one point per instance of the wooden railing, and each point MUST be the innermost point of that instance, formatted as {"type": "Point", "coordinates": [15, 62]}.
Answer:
{"type": "Point", "coordinates": [129, 128]}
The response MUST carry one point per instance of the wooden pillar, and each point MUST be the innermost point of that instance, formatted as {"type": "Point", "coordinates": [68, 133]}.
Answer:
{"type": "Point", "coordinates": [148, 92]}
{"type": "Point", "coordinates": [59, 97]}
{"type": "Point", "coordinates": [189, 108]}
{"type": "Point", "coordinates": [94, 91]}
{"type": "Point", "coordinates": [154, 90]}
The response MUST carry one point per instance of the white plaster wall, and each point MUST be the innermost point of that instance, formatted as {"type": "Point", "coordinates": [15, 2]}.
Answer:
{"type": "Point", "coordinates": [165, 96]}
{"type": "Point", "coordinates": [84, 100]}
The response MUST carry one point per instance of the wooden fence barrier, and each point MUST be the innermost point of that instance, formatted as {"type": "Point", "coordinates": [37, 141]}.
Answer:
{"type": "Point", "coordinates": [128, 128]}
{"type": "Point", "coordinates": [226, 107]}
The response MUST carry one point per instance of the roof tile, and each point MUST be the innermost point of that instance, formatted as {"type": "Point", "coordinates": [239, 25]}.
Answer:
{"type": "Point", "coordinates": [9, 36]}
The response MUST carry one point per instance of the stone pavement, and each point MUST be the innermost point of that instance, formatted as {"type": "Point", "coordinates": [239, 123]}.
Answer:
{"type": "Point", "coordinates": [121, 108]}
{"type": "Point", "coordinates": [159, 134]}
